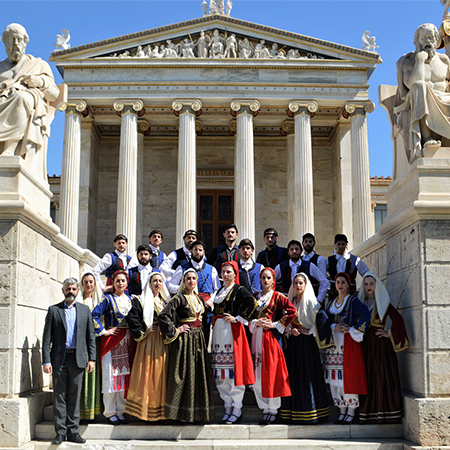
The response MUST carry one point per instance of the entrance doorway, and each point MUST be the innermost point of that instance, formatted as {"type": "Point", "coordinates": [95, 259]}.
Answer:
{"type": "Point", "coordinates": [215, 211]}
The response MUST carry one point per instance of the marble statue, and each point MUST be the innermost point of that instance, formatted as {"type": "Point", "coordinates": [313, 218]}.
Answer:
{"type": "Point", "coordinates": [261, 51]}
{"type": "Point", "coordinates": [369, 42]}
{"type": "Point", "coordinates": [205, 7]}
{"type": "Point", "coordinates": [155, 53]}
{"type": "Point", "coordinates": [62, 40]}
{"type": "Point", "coordinates": [26, 88]}
{"type": "Point", "coordinates": [171, 51]}
{"type": "Point", "coordinates": [139, 52]}
{"type": "Point", "coordinates": [230, 50]}
{"type": "Point", "coordinates": [187, 48]}
{"type": "Point", "coordinates": [228, 6]}
{"type": "Point", "coordinates": [216, 45]}
{"type": "Point", "coordinates": [220, 6]}
{"type": "Point", "coordinates": [213, 7]}
{"type": "Point", "coordinates": [422, 103]}
{"type": "Point", "coordinates": [202, 45]}
{"type": "Point", "coordinates": [245, 49]}
{"type": "Point", "coordinates": [293, 54]}
{"type": "Point", "coordinates": [447, 5]}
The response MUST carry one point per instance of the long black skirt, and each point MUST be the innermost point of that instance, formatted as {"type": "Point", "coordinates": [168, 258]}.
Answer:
{"type": "Point", "coordinates": [383, 404]}
{"type": "Point", "coordinates": [189, 386]}
{"type": "Point", "coordinates": [308, 403]}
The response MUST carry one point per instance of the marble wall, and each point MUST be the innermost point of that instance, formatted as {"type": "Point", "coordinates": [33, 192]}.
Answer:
{"type": "Point", "coordinates": [159, 181]}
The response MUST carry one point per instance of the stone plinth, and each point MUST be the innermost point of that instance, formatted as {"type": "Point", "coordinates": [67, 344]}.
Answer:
{"type": "Point", "coordinates": [411, 253]}
{"type": "Point", "coordinates": [34, 260]}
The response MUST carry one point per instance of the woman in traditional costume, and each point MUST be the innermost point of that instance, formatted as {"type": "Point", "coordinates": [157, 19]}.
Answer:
{"type": "Point", "coordinates": [346, 375]}
{"type": "Point", "coordinates": [189, 386]}
{"type": "Point", "coordinates": [147, 392]}
{"type": "Point", "coordinates": [232, 365]}
{"type": "Point", "coordinates": [272, 380]}
{"type": "Point", "coordinates": [90, 401]}
{"type": "Point", "coordinates": [383, 403]}
{"type": "Point", "coordinates": [308, 402]}
{"type": "Point", "coordinates": [116, 347]}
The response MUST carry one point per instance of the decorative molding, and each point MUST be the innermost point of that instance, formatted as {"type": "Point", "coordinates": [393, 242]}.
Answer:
{"type": "Point", "coordinates": [245, 107]}
{"type": "Point", "coordinates": [134, 106]}
{"type": "Point", "coordinates": [302, 107]}
{"type": "Point", "coordinates": [76, 107]}
{"type": "Point", "coordinates": [215, 179]}
{"type": "Point", "coordinates": [144, 127]}
{"type": "Point", "coordinates": [198, 127]}
{"type": "Point", "coordinates": [358, 108]}
{"type": "Point", "coordinates": [191, 106]}
{"type": "Point", "coordinates": [287, 128]}
{"type": "Point", "coordinates": [232, 127]}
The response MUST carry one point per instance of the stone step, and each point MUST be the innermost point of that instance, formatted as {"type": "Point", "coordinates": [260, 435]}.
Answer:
{"type": "Point", "coordinates": [213, 444]}
{"type": "Point", "coordinates": [242, 432]}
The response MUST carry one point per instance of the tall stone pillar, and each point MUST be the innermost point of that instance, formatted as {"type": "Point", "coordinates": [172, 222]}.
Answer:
{"type": "Point", "coordinates": [187, 111]}
{"type": "Point", "coordinates": [127, 189]}
{"type": "Point", "coordinates": [244, 167]}
{"type": "Point", "coordinates": [70, 171]}
{"type": "Point", "coordinates": [362, 216]}
{"type": "Point", "coordinates": [300, 171]}
{"type": "Point", "coordinates": [288, 130]}
{"type": "Point", "coordinates": [143, 130]}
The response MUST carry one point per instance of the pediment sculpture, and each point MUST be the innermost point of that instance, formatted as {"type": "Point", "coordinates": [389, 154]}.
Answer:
{"type": "Point", "coordinates": [214, 44]}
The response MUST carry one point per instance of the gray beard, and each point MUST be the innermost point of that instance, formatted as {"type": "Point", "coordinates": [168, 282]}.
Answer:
{"type": "Point", "coordinates": [431, 53]}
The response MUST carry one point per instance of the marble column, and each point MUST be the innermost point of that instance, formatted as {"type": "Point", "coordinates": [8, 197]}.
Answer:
{"type": "Point", "coordinates": [187, 110]}
{"type": "Point", "coordinates": [288, 130]}
{"type": "Point", "coordinates": [127, 186]}
{"type": "Point", "coordinates": [70, 171]}
{"type": "Point", "coordinates": [300, 170]}
{"type": "Point", "coordinates": [143, 130]}
{"type": "Point", "coordinates": [362, 216]}
{"type": "Point", "coordinates": [244, 167]}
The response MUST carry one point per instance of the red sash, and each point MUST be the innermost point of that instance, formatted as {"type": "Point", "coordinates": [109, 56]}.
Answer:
{"type": "Point", "coordinates": [243, 362]}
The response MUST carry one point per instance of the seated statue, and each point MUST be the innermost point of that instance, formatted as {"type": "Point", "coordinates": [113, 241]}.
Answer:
{"type": "Point", "coordinates": [26, 88]}
{"type": "Point", "coordinates": [422, 103]}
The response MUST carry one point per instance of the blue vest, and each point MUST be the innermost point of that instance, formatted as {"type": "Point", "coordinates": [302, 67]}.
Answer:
{"type": "Point", "coordinates": [204, 283]}
{"type": "Point", "coordinates": [156, 262]}
{"type": "Point", "coordinates": [251, 280]}
{"type": "Point", "coordinates": [286, 273]}
{"type": "Point", "coordinates": [116, 265]}
{"type": "Point", "coordinates": [181, 256]}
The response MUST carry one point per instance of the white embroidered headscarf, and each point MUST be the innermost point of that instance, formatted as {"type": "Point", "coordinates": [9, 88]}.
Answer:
{"type": "Point", "coordinates": [183, 285]}
{"type": "Point", "coordinates": [148, 299]}
{"type": "Point", "coordinates": [97, 294]}
{"type": "Point", "coordinates": [308, 306]}
{"type": "Point", "coordinates": [382, 299]}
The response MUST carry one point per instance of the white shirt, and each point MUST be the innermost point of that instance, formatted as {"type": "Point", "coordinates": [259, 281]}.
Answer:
{"type": "Point", "coordinates": [313, 271]}
{"type": "Point", "coordinates": [144, 273]}
{"type": "Point", "coordinates": [134, 261]}
{"type": "Point", "coordinates": [342, 262]}
{"type": "Point", "coordinates": [247, 265]}
{"type": "Point", "coordinates": [321, 263]}
{"type": "Point", "coordinates": [166, 266]}
{"type": "Point", "coordinates": [175, 281]}
{"type": "Point", "coordinates": [105, 262]}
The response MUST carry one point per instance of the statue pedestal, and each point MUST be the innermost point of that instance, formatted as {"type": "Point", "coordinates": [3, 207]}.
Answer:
{"type": "Point", "coordinates": [411, 253]}
{"type": "Point", "coordinates": [34, 260]}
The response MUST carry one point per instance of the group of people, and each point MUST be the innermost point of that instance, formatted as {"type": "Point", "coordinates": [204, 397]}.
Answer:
{"type": "Point", "coordinates": [168, 327]}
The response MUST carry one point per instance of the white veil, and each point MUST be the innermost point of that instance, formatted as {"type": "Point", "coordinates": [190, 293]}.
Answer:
{"type": "Point", "coordinates": [382, 299]}
{"type": "Point", "coordinates": [183, 285]}
{"type": "Point", "coordinates": [308, 306]}
{"type": "Point", "coordinates": [148, 300]}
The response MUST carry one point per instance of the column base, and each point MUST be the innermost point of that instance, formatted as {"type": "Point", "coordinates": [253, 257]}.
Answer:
{"type": "Point", "coordinates": [19, 416]}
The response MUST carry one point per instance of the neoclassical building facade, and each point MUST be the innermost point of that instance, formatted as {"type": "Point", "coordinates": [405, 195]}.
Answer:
{"type": "Point", "coordinates": [210, 121]}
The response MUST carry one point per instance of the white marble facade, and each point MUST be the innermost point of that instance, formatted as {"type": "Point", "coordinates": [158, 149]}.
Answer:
{"type": "Point", "coordinates": [228, 97]}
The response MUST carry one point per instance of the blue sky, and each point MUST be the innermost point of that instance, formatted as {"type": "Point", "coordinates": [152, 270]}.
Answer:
{"type": "Point", "coordinates": [392, 22]}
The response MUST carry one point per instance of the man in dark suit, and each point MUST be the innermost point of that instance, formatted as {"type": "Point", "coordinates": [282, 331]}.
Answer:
{"type": "Point", "coordinates": [68, 349]}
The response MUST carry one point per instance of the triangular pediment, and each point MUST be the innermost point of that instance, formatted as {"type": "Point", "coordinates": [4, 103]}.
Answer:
{"type": "Point", "coordinates": [214, 37]}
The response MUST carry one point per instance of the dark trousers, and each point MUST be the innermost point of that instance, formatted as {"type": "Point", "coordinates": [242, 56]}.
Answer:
{"type": "Point", "coordinates": [67, 384]}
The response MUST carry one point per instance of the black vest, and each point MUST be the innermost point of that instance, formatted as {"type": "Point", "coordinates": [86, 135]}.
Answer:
{"type": "Point", "coordinates": [314, 281]}
{"type": "Point", "coordinates": [286, 273]}
{"type": "Point", "coordinates": [350, 269]}
{"type": "Point", "coordinates": [181, 256]}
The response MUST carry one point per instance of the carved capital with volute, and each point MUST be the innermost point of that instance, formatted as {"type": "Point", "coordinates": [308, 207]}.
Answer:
{"type": "Point", "coordinates": [187, 106]}
{"type": "Point", "coordinates": [358, 108]}
{"type": "Point", "coordinates": [75, 107]}
{"type": "Point", "coordinates": [304, 107]}
{"type": "Point", "coordinates": [129, 107]}
{"type": "Point", "coordinates": [287, 128]}
{"type": "Point", "coordinates": [143, 127]}
{"type": "Point", "coordinates": [245, 107]}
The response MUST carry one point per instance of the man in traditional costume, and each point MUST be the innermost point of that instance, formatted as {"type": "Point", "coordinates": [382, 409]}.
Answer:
{"type": "Point", "coordinates": [155, 239]}
{"type": "Point", "coordinates": [422, 103]}
{"type": "Point", "coordinates": [309, 242]}
{"type": "Point", "coordinates": [249, 271]}
{"type": "Point", "coordinates": [227, 251]}
{"type": "Point", "coordinates": [139, 274]}
{"type": "Point", "coordinates": [26, 87]}
{"type": "Point", "coordinates": [272, 255]}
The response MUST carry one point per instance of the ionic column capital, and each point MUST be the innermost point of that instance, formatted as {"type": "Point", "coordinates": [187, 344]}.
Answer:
{"type": "Point", "coordinates": [129, 107]}
{"type": "Point", "coordinates": [232, 127]}
{"type": "Point", "coordinates": [303, 107]}
{"type": "Point", "coordinates": [245, 107]}
{"type": "Point", "coordinates": [198, 127]}
{"type": "Point", "coordinates": [287, 128]}
{"type": "Point", "coordinates": [184, 106]}
{"type": "Point", "coordinates": [143, 127]}
{"type": "Point", "coordinates": [75, 107]}
{"type": "Point", "coordinates": [358, 108]}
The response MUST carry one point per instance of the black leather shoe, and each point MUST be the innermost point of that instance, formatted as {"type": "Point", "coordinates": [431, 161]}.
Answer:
{"type": "Point", "coordinates": [75, 437]}
{"type": "Point", "coordinates": [59, 439]}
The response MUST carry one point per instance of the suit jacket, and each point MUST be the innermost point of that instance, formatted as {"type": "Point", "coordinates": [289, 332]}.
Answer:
{"type": "Point", "coordinates": [54, 338]}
